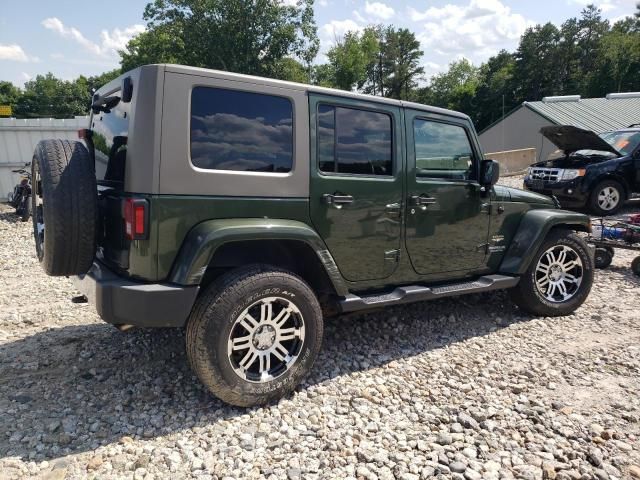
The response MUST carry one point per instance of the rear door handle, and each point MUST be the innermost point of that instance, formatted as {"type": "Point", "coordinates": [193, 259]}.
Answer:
{"type": "Point", "coordinates": [420, 200]}
{"type": "Point", "coordinates": [337, 199]}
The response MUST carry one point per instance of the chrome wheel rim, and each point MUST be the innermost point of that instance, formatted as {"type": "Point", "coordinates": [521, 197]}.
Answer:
{"type": "Point", "coordinates": [37, 209]}
{"type": "Point", "coordinates": [608, 198]}
{"type": "Point", "coordinates": [559, 273]}
{"type": "Point", "coordinates": [266, 339]}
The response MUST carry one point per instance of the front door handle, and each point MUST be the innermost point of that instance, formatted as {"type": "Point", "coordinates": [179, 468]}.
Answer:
{"type": "Point", "coordinates": [422, 200]}
{"type": "Point", "coordinates": [337, 199]}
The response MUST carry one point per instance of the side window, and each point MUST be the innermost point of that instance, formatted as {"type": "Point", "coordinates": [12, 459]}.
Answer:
{"type": "Point", "coordinates": [241, 131]}
{"type": "Point", "coordinates": [442, 151]}
{"type": "Point", "coordinates": [354, 141]}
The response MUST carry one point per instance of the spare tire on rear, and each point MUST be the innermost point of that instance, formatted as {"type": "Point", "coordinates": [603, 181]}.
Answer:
{"type": "Point", "coordinates": [65, 206]}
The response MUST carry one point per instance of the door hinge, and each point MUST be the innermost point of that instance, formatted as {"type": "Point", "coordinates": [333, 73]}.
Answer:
{"type": "Point", "coordinates": [392, 256]}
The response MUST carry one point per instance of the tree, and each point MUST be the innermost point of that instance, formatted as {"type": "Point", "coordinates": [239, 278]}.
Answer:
{"type": "Point", "coordinates": [454, 89]}
{"type": "Point", "coordinates": [618, 61]}
{"type": "Point", "coordinates": [251, 37]}
{"type": "Point", "coordinates": [379, 61]}
{"type": "Point", "coordinates": [536, 62]}
{"type": "Point", "coordinates": [401, 67]}
{"type": "Point", "coordinates": [48, 96]}
{"type": "Point", "coordinates": [495, 93]}
{"type": "Point", "coordinates": [9, 94]}
{"type": "Point", "coordinates": [350, 57]}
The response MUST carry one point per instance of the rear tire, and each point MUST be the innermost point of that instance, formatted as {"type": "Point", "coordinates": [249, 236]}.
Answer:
{"type": "Point", "coordinates": [254, 334]}
{"type": "Point", "coordinates": [559, 278]}
{"type": "Point", "coordinates": [65, 200]}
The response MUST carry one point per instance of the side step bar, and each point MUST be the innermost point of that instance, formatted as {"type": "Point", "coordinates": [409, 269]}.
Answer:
{"type": "Point", "coordinates": [416, 293]}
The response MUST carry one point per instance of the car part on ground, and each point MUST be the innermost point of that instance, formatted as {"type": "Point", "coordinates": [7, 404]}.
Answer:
{"type": "Point", "coordinates": [609, 235]}
{"type": "Point", "coordinates": [603, 258]}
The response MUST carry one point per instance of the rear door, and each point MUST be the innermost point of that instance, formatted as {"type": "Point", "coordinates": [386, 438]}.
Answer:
{"type": "Point", "coordinates": [357, 183]}
{"type": "Point", "coordinates": [447, 215]}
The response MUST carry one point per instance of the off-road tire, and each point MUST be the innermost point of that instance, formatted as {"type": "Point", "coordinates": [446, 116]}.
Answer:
{"type": "Point", "coordinates": [526, 295]}
{"type": "Point", "coordinates": [68, 191]}
{"type": "Point", "coordinates": [593, 198]}
{"type": "Point", "coordinates": [212, 320]}
{"type": "Point", "coordinates": [603, 258]}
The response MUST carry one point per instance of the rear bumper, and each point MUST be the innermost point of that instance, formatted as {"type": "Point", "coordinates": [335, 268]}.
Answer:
{"type": "Point", "coordinates": [121, 301]}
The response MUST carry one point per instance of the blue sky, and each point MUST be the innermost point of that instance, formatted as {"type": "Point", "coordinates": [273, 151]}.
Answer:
{"type": "Point", "coordinates": [69, 37]}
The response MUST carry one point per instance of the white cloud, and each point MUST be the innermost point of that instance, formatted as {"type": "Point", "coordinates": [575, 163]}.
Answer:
{"type": "Point", "coordinates": [379, 10]}
{"type": "Point", "coordinates": [15, 53]}
{"type": "Point", "coordinates": [25, 76]}
{"type": "Point", "coordinates": [335, 29]}
{"type": "Point", "coordinates": [110, 43]}
{"type": "Point", "coordinates": [479, 28]}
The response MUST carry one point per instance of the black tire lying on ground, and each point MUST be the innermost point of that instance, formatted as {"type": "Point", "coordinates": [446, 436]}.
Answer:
{"type": "Point", "coordinates": [64, 202]}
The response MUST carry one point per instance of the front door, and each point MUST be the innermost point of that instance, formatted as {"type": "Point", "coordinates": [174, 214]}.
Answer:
{"type": "Point", "coordinates": [356, 183]}
{"type": "Point", "coordinates": [447, 214]}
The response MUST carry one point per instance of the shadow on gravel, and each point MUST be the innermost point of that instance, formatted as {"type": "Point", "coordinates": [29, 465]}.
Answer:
{"type": "Point", "coordinates": [9, 217]}
{"type": "Point", "coordinates": [72, 389]}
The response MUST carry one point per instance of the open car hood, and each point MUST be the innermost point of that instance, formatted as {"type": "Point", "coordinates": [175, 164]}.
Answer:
{"type": "Point", "coordinates": [570, 139]}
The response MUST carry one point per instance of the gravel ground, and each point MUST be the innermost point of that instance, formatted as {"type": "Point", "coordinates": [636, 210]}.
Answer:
{"type": "Point", "coordinates": [462, 388]}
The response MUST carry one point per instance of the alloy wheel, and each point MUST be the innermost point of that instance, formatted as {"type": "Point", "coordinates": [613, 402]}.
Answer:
{"type": "Point", "coordinates": [266, 339]}
{"type": "Point", "coordinates": [608, 198]}
{"type": "Point", "coordinates": [559, 273]}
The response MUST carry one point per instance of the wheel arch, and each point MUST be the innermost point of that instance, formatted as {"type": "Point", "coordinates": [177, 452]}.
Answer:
{"type": "Point", "coordinates": [533, 229]}
{"type": "Point", "coordinates": [614, 176]}
{"type": "Point", "coordinates": [215, 246]}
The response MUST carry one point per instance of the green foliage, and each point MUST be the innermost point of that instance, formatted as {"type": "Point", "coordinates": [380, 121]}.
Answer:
{"type": "Point", "coordinates": [252, 37]}
{"type": "Point", "coordinates": [379, 61]}
{"type": "Point", "coordinates": [9, 94]}
{"type": "Point", "coordinates": [48, 96]}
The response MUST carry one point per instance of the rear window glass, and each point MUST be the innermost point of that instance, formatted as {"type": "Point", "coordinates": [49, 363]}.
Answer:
{"type": "Point", "coordinates": [110, 136]}
{"type": "Point", "coordinates": [241, 131]}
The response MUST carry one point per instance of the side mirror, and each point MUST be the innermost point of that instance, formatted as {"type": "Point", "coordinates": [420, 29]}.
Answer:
{"type": "Point", "coordinates": [489, 173]}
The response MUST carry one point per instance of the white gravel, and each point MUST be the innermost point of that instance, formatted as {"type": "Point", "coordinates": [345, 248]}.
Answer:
{"type": "Point", "coordinates": [465, 388]}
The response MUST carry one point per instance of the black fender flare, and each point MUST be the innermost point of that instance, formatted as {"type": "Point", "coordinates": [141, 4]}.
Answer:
{"type": "Point", "coordinates": [533, 229]}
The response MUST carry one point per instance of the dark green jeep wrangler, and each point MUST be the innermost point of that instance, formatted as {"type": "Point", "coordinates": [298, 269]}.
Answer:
{"type": "Point", "coordinates": [246, 209]}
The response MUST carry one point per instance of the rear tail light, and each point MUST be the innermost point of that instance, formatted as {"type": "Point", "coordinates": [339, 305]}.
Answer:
{"type": "Point", "coordinates": [136, 218]}
{"type": "Point", "coordinates": [84, 134]}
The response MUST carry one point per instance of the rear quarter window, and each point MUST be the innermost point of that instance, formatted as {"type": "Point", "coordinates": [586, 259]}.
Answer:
{"type": "Point", "coordinates": [110, 137]}
{"type": "Point", "coordinates": [241, 131]}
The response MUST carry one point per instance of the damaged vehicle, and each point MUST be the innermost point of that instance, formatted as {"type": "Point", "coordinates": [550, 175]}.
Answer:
{"type": "Point", "coordinates": [597, 172]}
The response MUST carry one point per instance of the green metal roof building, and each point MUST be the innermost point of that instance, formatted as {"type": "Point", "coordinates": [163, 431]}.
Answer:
{"type": "Point", "coordinates": [520, 128]}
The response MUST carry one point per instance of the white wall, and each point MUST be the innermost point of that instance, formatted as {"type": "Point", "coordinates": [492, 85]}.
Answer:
{"type": "Point", "coordinates": [18, 139]}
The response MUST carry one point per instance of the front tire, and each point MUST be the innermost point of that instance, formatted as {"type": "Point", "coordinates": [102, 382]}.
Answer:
{"type": "Point", "coordinates": [254, 335]}
{"type": "Point", "coordinates": [559, 277]}
{"type": "Point", "coordinates": [607, 198]}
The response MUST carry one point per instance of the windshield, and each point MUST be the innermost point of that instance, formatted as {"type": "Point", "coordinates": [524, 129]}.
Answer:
{"type": "Point", "coordinates": [624, 142]}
